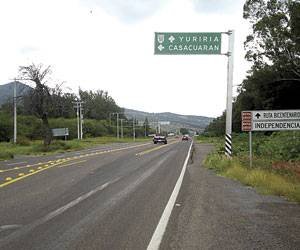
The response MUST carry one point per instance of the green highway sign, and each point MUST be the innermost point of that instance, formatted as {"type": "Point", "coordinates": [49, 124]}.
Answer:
{"type": "Point", "coordinates": [187, 43]}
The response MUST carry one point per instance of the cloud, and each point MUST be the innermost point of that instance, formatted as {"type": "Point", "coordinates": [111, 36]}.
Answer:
{"type": "Point", "coordinates": [129, 11]}
{"type": "Point", "coordinates": [217, 6]}
{"type": "Point", "coordinates": [28, 50]}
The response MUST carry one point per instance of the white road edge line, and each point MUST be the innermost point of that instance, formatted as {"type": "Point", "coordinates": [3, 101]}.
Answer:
{"type": "Point", "coordinates": [164, 219]}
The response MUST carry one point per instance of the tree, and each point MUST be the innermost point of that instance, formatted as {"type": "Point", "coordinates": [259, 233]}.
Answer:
{"type": "Point", "coordinates": [184, 131]}
{"type": "Point", "coordinates": [275, 37]}
{"type": "Point", "coordinates": [217, 126]}
{"type": "Point", "coordinates": [98, 105]}
{"type": "Point", "coordinates": [146, 126]}
{"type": "Point", "coordinates": [40, 96]}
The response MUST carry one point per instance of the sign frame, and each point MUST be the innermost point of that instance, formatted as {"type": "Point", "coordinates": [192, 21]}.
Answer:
{"type": "Point", "coordinates": [187, 43]}
{"type": "Point", "coordinates": [282, 120]}
{"type": "Point", "coordinates": [271, 120]}
{"type": "Point", "coordinates": [57, 132]}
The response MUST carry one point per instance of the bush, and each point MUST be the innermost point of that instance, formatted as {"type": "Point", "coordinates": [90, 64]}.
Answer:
{"type": "Point", "coordinates": [6, 127]}
{"type": "Point", "coordinates": [282, 146]}
{"type": "Point", "coordinates": [54, 146]}
{"type": "Point", "coordinates": [4, 155]}
{"type": "Point", "coordinates": [94, 128]}
{"type": "Point", "coordinates": [30, 127]}
{"type": "Point", "coordinates": [23, 141]}
{"type": "Point", "coordinates": [217, 162]}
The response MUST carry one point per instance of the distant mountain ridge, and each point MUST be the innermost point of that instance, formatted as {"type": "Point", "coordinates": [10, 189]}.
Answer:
{"type": "Point", "coordinates": [177, 121]}
{"type": "Point", "coordinates": [7, 91]}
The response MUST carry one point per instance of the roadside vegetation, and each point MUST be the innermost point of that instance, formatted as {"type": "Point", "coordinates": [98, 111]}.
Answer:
{"type": "Point", "coordinates": [276, 162]}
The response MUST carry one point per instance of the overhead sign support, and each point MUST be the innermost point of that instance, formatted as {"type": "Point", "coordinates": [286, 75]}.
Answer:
{"type": "Point", "coordinates": [209, 43]}
{"type": "Point", "coordinates": [230, 54]}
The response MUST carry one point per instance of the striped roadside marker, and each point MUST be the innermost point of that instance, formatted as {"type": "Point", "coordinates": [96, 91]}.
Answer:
{"type": "Point", "coordinates": [228, 145]}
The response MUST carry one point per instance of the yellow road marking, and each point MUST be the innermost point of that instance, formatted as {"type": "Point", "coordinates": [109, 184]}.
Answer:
{"type": "Point", "coordinates": [16, 168]}
{"type": "Point", "coordinates": [25, 176]}
{"type": "Point", "coordinates": [154, 149]}
{"type": "Point", "coordinates": [52, 164]}
{"type": "Point", "coordinates": [72, 163]}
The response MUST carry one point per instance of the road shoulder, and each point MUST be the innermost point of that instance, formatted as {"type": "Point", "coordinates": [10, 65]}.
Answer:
{"type": "Point", "coordinates": [213, 212]}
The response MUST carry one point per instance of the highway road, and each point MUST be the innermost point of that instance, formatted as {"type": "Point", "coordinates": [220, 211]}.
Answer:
{"type": "Point", "coordinates": [107, 197]}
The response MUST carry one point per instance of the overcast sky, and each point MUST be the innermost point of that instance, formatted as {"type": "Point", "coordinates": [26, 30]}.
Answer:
{"type": "Point", "coordinates": [109, 45]}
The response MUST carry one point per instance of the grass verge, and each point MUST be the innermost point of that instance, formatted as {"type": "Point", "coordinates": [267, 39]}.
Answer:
{"type": "Point", "coordinates": [9, 150]}
{"type": "Point", "coordinates": [269, 175]}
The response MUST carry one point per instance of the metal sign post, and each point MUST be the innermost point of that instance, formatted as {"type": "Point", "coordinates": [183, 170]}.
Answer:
{"type": "Point", "coordinates": [250, 148]}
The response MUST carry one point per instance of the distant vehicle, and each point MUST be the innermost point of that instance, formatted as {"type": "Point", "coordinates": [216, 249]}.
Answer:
{"type": "Point", "coordinates": [160, 139]}
{"type": "Point", "coordinates": [185, 138]}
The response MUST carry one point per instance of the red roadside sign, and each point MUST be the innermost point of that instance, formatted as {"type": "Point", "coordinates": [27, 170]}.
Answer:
{"type": "Point", "coordinates": [246, 121]}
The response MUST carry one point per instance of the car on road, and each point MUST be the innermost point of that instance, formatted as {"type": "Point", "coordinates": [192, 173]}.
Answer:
{"type": "Point", "coordinates": [160, 139]}
{"type": "Point", "coordinates": [185, 138]}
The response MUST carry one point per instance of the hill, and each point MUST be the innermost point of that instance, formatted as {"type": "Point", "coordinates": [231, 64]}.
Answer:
{"type": "Point", "coordinates": [170, 121]}
{"type": "Point", "coordinates": [7, 91]}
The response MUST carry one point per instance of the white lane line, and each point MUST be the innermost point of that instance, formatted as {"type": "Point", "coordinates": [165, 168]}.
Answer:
{"type": "Point", "coordinates": [26, 228]}
{"type": "Point", "coordinates": [164, 219]}
{"type": "Point", "coordinates": [76, 201]}
{"type": "Point", "coordinates": [16, 163]}
{"type": "Point", "coordinates": [9, 227]}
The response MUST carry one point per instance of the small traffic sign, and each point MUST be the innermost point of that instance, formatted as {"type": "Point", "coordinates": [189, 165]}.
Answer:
{"type": "Point", "coordinates": [246, 121]}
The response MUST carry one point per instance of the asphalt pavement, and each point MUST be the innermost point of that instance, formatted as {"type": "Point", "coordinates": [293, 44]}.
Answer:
{"type": "Point", "coordinates": [110, 197]}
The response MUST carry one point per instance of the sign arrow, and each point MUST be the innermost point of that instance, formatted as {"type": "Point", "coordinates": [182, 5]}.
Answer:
{"type": "Point", "coordinates": [257, 115]}
{"type": "Point", "coordinates": [160, 47]}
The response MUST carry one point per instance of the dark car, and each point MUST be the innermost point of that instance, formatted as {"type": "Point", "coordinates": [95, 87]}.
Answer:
{"type": "Point", "coordinates": [185, 138]}
{"type": "Point", "coordinates": [160, 139]}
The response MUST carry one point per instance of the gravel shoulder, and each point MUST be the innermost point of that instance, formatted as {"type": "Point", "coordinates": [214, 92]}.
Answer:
{"type": "Point", "coordinates": [213, 212]}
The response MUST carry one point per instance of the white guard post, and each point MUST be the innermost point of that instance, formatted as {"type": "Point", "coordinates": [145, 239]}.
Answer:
{"type": "Point", "coordinates": [230, 55]}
